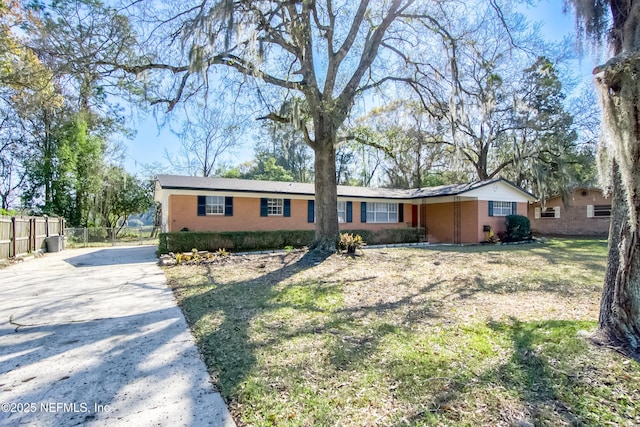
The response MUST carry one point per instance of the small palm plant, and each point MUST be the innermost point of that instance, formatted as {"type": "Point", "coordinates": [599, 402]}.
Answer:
{"type": "Point", "coordinates": [350, 242]}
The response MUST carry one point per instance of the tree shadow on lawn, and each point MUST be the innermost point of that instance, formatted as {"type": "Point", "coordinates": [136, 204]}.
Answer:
{"type": "Point", "coordinates": [230, 350]}
{"type": "Point", "coordinates": [468, 288]}
{"type": "Point", "coordinates": [544, 380]}
{"type": "Point", "coordinates": [590, 252]}
{"type": "Point", "coordinates": [227, 348]}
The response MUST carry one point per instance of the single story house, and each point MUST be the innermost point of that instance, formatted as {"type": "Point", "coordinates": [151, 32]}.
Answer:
{"type": "Point", "coordinates": [455, 213]}
{"type": "Point", "coordinates": [586, 213]}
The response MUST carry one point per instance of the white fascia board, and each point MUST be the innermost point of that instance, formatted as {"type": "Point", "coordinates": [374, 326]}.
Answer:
{"type": "Point", "coordinates": [257, 195]}
{"type": "Point", "coordinates": [247, 194]}
{"type": "Point", "coordinates": [500, 191]}
{"type": "Point", "coordinates": [163, 194]}
{"type": "Point", "coordinates": [373, 200]}
{"type": "Point", "coordinates": [443, 199]}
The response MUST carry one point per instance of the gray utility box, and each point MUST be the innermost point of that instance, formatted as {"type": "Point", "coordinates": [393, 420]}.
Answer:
{"type": "Point", "coordinates": [55, 243]}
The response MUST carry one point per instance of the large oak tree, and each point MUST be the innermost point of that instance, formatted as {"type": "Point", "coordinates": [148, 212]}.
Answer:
{"type": "Point", "coordinates": [619, 87]}
{"type": "Point", "coordinates": [327, 52]}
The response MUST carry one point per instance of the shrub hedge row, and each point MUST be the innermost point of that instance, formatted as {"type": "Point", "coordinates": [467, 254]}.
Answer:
{"type": "Point", "coordinates": [240, 241]}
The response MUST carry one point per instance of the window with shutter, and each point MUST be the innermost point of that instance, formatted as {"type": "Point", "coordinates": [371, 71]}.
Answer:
{"type": "Point", "coordinates": [275, 207]}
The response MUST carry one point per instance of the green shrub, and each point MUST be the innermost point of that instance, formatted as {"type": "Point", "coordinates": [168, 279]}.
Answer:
{"type": "Point", "coordinates": [518, 229]}
{"type": "Point", "coordinates": [240, 241]}
{"type": "Point", "coordinates": [235, 241]}
{"type": "Point", "coordinates": [390, 236]}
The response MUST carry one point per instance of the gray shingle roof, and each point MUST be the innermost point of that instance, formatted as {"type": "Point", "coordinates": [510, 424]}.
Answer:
{"type": "Point", "coordinates": [297, 188]}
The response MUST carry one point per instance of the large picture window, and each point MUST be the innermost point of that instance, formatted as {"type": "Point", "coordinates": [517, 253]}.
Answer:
{"type": "Point", "coordinates": [382, 212]}
{"type": "Point", "coordinates": [274, 207]}
{"type": "Point", "coordinates": [215, 205]}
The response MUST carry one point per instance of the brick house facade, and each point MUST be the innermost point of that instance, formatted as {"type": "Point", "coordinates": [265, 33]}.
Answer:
{"type": "Point", "coordinates": [586, 213]}
{"type": "Point", "coordinates": [449, 214]}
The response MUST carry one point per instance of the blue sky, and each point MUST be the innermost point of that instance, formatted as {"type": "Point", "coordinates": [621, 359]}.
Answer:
{"type": "Point", "coordinates": [150, 142]}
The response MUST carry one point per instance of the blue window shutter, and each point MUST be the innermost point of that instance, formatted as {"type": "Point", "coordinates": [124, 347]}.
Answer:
{"type": "Point", "coordinates": [264, 207]}
{"type": "Point", "coordinates": [363, 212]}
{"type": "Point", "coordinates": [514, 208]}
{"type": "Point", "coordinates": [490, 208]}
{"type": "Point", "coordinates": [202, 205]}
{"type": "Point", "coordinates": [310, 210]}
{"type": "Point", "coordinates": [400, 212]}
{"type": "Point", "coordinates": [228, 206]}
{"type": "Point", "coordinates": [349, 211]}
{"type": "Point", "coordinates": [286, 207]}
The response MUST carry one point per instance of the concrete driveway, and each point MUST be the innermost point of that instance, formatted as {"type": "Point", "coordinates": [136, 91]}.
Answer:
{"type": "Point", "coordinates": [94, 337]}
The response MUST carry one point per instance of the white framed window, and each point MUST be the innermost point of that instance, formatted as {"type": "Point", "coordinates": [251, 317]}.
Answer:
{"type": "Point", "coordinates": [382, 212]}
{"type": "Point", "coordinates": [502, 208]}
{"type": "Point", "coordinates": [342, 212]}
{"type": "Point", "coordinates": [215, 205]}
{"type": "Point", "coordinates": [274, 207]}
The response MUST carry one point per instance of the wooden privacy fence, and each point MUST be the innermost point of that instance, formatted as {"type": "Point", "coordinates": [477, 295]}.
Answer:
{"type": "Point", "coordinates": [23, 235]}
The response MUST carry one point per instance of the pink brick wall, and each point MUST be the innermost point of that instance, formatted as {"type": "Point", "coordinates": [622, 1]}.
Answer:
{"type": "Point", "coordinates": [183, 213]}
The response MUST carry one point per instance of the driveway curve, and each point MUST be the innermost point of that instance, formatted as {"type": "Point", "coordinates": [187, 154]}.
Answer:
{"type": "Point", "coordinates": [94, 337]}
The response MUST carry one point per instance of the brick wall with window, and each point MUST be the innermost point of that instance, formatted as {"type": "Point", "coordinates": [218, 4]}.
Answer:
{"type": "Point", "coordinates": [368, 215]}
{"type": "Point", "coordinates": [223, 213]}
{"type": "Point", "coordinates": [199, 213]}
{"type": "Point", "coordinates": [587, 214]}
{"type": "Point", "coordinates": [493, 213]}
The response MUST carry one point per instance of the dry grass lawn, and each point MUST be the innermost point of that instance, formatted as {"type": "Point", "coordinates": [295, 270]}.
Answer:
{"type": "Point", "coordinates": [440, 336]}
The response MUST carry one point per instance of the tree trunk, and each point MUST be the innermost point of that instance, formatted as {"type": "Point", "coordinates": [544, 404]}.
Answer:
{"type": "Point", "coordinates": [619, 321]}
{"type": "Point", "coordinates": [618, 215]}
{"type": "Point", "coordinates": [326, 203]}
{"type": "Point", "coordinates": [481, 164]}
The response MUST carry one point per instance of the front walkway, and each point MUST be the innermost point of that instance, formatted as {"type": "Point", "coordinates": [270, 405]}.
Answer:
{"type": "Point", "coordinates": [94, 337]}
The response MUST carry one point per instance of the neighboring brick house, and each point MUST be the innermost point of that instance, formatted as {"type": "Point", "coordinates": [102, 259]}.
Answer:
{"type": "Point", "coordinates": [586, 213]}
{"type": "Point", "coordinates": [451, 213]}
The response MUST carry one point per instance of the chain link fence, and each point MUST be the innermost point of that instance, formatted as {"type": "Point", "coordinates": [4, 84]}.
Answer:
{"type": "Point", "coordinates": [127, 236]}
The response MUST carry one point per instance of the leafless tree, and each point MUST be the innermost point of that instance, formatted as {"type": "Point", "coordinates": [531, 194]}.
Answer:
{"type": "Point", "coordinates": [206, 134]}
